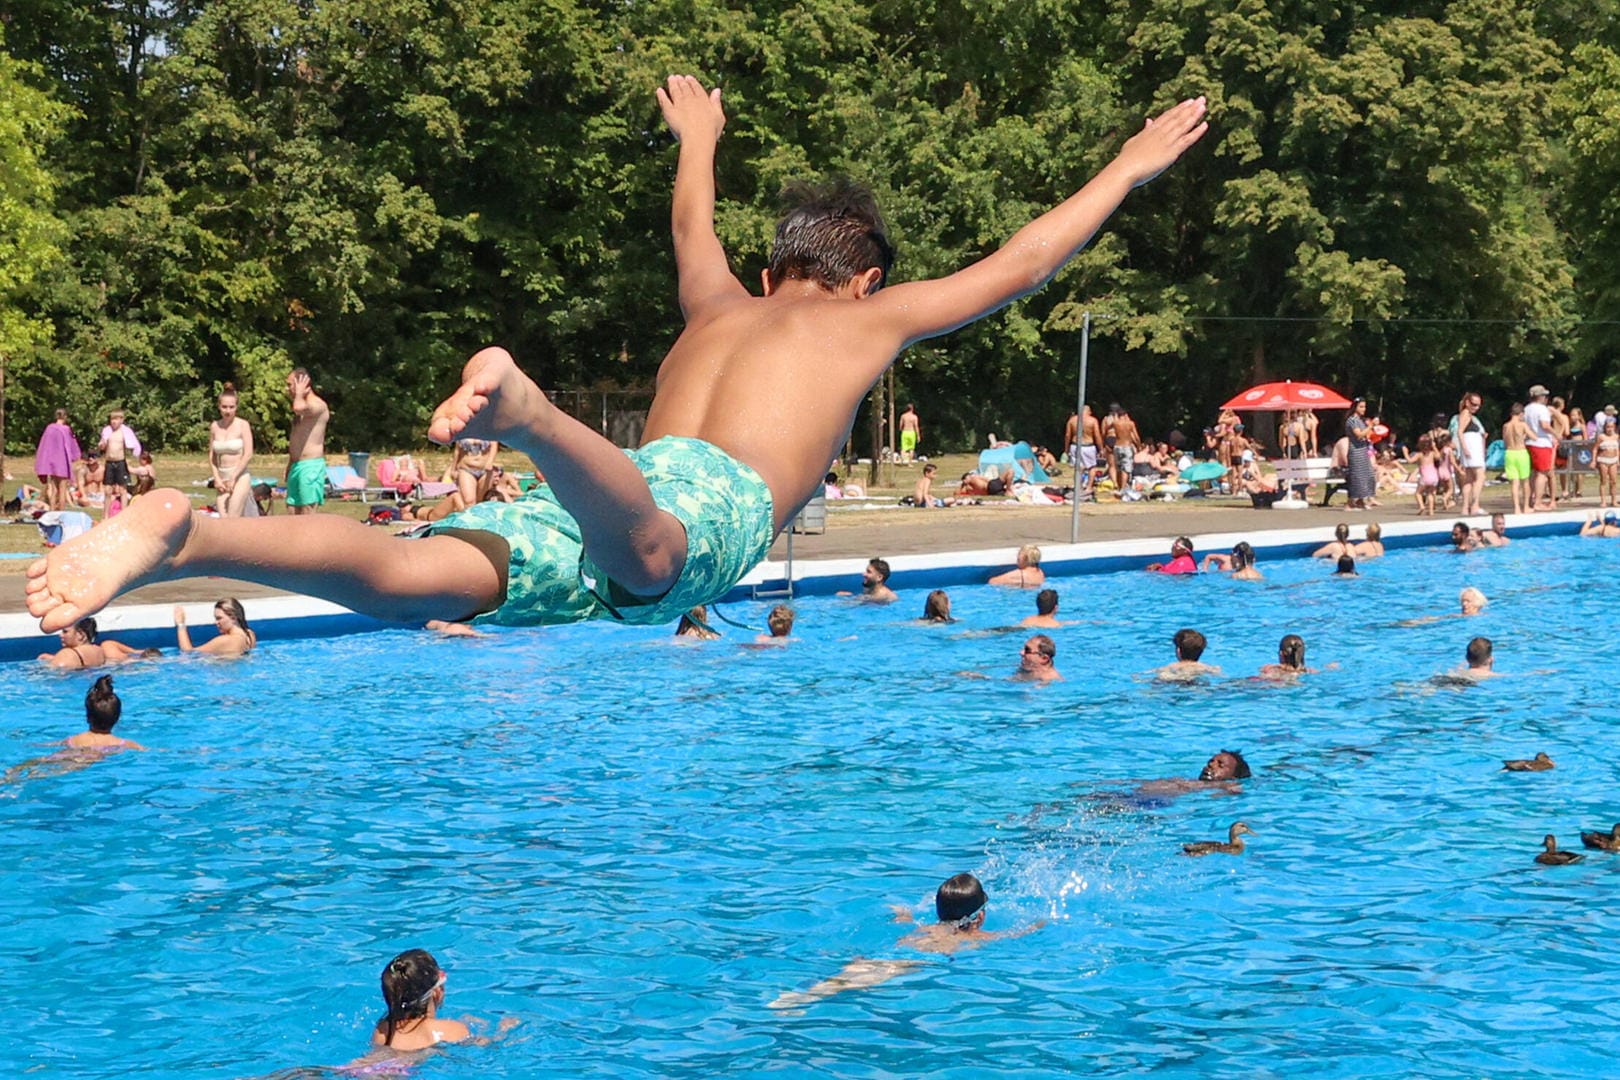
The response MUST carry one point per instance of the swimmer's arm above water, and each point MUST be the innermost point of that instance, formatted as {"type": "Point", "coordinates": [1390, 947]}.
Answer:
{"type": "Point", "coordinates": [697, 119]}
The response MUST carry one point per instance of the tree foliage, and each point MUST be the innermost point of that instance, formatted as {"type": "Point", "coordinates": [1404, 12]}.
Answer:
{"type": "Point", "coordinates": [1399, 199]}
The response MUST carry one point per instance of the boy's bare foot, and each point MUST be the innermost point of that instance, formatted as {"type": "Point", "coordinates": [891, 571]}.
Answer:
{"type": "Point", "coordinates": [88, 572]}
{"type": "Point", "coordinates": [494, 401]}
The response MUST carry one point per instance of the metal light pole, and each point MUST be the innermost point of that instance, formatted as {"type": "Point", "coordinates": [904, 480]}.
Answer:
{"type": "Point", "coordinates": [1080, 433]}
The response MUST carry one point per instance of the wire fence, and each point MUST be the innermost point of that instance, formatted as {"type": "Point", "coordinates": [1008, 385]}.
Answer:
{"type": "Point", "coordinates": [620, 415]}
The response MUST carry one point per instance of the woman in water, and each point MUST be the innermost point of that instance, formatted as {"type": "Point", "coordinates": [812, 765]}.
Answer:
{"type": "Point", "coordinates": [230, 449]}
{"type": "Point", "coordinates": [1240, 564]}
{"type": "Point", "coordinates": [937, 608]}
{"type": "Point", "coordinates": [413, 990]}
{"type": "Point", "coordinates": [1290, 659]}
{"type": "Point", "coordinates": [234, 639]}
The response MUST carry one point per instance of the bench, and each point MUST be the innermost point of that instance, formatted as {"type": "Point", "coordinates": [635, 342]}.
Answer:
{"type": "Point", "coordinates": [1299, 473]}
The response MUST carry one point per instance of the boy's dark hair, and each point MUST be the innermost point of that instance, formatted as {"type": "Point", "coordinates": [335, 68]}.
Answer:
{"type": "Point", "coordinates": [102, 707]}
{"type": "Point", "coordinates": [1189, 644]}
{"type": "Point", "coordinates": [930, 469]}
{"type": "Point", "coordinates": [959, 899]}
{"type": "Point", "coordinates": [1240, 769]}
{"type": "Point", "coordinates": [1347, 565]}
{"type": "Point", "coordinates": [882, 567]}
{"type": "Point", "coordinates": [832, 232]}
{"type": "Point", "coordinates": [1046, 601]}
{"type": "Point", "coordinates": [1479, 651]}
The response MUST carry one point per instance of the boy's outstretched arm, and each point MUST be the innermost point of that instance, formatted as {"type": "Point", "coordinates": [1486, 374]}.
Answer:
{"type": "Point", "coordinates": [1036, 252]}
{"type": "Point", "coordinates": [696, 118]}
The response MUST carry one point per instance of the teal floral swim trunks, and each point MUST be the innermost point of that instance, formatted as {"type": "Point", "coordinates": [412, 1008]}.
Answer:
{"type": "Point", "coordinates": [724, 505]}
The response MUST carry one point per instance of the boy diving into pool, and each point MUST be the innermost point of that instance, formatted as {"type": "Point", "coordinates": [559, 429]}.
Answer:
{"type": "Point", "coordinates": [753, 402]}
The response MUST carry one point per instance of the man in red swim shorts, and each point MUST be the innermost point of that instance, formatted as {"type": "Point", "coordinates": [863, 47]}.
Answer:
{"type": "Point", "coordinates": [1543, 441]}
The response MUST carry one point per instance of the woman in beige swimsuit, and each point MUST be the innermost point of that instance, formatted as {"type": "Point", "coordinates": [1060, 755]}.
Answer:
{"type": "Point", "coordinates": [1606, 456]}
{"type": "Point", "coordinates": [230, 449]}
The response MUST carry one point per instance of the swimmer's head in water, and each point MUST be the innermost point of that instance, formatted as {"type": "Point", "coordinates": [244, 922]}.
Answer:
{"type": "Point", "coordinates": [832, 233]}
{"type": "Point", "coordinates": [1472, 600]}
{"type": "Point", "coordinates": [1242, 555]}
{"type": "Point", "coordinates": [102, 707]}
{"type": "Point", "coordinates": [877, 572]}
{"type": "Point", "coordinates": [1226, 765]}
{"type": "Point", "coordinates": [411, 984]}
{"type": "Point", "coordinates": [85, 629]}
{"type": "Point", "coordinates": [1375, 531]}
{"type": "Point", "coordinates": [937, 608]}
{"type": "Point", "coordinates": [1029, 556]}
{"type": "Point", "coordinates": [1291, 652]}
{"type": "Point", "coordinates": [1347, 566]}
{"type": "Point", "coordinates": [1459, 533]}
{"type": "Point", "coordinates": [1479, 652]}
{"type": "Point", "coordinates": [780, 620]}
{"type": "Point", "coordinates": [232, 609]}
{"type": "Point", "coordinates": [1046, 601]}
{"type": "Point", "coordinates": [960, 901]}
{"type": "Point", "coordinates": [1181, 546]}
{"type": "Point", "coordinates": [1189, 644]}
{"type": "Point", "coordinates": [1341, 532]}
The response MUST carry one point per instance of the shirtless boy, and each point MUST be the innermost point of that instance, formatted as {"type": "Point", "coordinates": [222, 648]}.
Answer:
{"type": "Point", "coordinates": [1190, 645]}
{"type": "Point", "coordinates": [1516, 458]}
{"type": "Point", "coordinates": [306, 446]}
{"type": "Point", "coordinates": [754, 401]}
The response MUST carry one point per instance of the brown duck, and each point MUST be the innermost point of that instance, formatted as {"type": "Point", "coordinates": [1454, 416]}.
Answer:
{"type": "Point", "coordinates": [1609, 841]}
{"type": "Point", "coordinates": [1553, 857]}
{"type": "Point", "coordinates": [1232, 846]}
{"type": "Point", "coordinates": [1540, 763]}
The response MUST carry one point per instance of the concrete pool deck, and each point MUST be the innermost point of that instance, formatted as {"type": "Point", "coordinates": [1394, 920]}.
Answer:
{"type": "Point", "coordinates": [925, 548]}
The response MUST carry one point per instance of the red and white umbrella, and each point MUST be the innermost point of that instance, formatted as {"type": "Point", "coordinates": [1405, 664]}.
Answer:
{"type": "Point", "coordinates": [1282, 396]}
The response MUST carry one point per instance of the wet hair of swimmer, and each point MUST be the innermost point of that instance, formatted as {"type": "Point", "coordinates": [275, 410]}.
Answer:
{"type": "Point", "coordinates": [1239, 768]}
{"type": "Point", "coordinates": [959, 898]}
{"type": "Point", "coordinates": [408, 983]}
{"type": "Point", "coordinates": [882, 568]}
{"type": "Point", "coordinates": [1046, 601]}
{"type": "Point", "coordinates": [780, 620]}
{"type": "Point", "coordinates": [937, 608]}
{"type": "Point", "coordinates": [102, 707]}
{"type": "Point", "coordinates": [1375, 531]}
{"type": "Point", "coordinates": [233, 607]}
{"type": "Point", "coordinates": [1242, 555]}
{"type": "Point", "coordinates": [1479, 651]}
{"type": "Point", "coordinates": [1347, 565]}
{"type": "Point", "coordinates": [1189, 644]}
{"type": "Point", "coordinates": [1341, 532]}
{"type": "Point", "coordinates": [1291, 652]}
{"type": "Point", "coordinates": [87, 627]}
{"type": "Point", "coordinates": [831, 233]}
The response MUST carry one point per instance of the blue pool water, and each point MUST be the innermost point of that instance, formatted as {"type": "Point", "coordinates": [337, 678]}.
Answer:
{"type": "Point", "coordinates": [632, 846]}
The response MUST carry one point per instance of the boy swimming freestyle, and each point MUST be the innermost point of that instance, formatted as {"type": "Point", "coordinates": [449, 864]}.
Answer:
{"type": "Point", "coordinates": [753, 402]}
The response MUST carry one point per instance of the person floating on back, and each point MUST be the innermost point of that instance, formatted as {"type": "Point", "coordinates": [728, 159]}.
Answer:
{"type": "Point", "coordinates": [754, 401]}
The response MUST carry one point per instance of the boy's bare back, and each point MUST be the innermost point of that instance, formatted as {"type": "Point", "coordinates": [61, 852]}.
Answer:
{"type": "Point", "coordinates": [776, 380]}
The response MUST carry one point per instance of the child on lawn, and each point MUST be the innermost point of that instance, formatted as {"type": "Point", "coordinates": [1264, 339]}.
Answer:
{"type": "Point", "coordinates": [754, 401]}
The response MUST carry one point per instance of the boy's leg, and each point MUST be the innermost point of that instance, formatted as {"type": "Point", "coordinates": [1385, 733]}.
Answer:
{"type": "Point", "coordinates": [158, 538]}
{"type": "Point", "coordinates": [632, 541]}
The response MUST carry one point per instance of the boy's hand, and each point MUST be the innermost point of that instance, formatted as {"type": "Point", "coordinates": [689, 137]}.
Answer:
{"type": "Point", "coordinates": [689, 111]}
{"type": "Point", "coordinates": [1161, 141]}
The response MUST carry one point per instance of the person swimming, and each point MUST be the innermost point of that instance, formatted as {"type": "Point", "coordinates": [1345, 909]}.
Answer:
{"type": "Point", "coordinates": [960, 903]}
{"type": "Point", "coordinates": [413, 990]}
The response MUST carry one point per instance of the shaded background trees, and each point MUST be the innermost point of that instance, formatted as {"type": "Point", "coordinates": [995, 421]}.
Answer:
{"type": "Point", "coordinates": [1398, 199]}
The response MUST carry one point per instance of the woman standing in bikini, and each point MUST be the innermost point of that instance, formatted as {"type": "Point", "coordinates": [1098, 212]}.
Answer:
{"type": "Point", "coordinates": [1606, 456]}
{"type": "Point", "coordinates": [1468, 435]}
{"type": "Point", "coordinates": [230, 448]}
{"type": "Point", "coordinates": [473, 460]}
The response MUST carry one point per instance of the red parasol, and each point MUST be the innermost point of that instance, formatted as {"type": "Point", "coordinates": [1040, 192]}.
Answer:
{"type": "Point", "coordinates": [1281, 396]}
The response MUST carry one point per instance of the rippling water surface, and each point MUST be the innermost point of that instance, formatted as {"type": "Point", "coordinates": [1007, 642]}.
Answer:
{"type": "Point", "coordinates": [632, 845]}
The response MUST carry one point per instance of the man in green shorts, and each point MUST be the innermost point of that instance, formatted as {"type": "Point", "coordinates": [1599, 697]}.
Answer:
{"type": "Point", "coordinates": [306, 446]}
{"type": "Point", "coordinates": [755, 399]}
